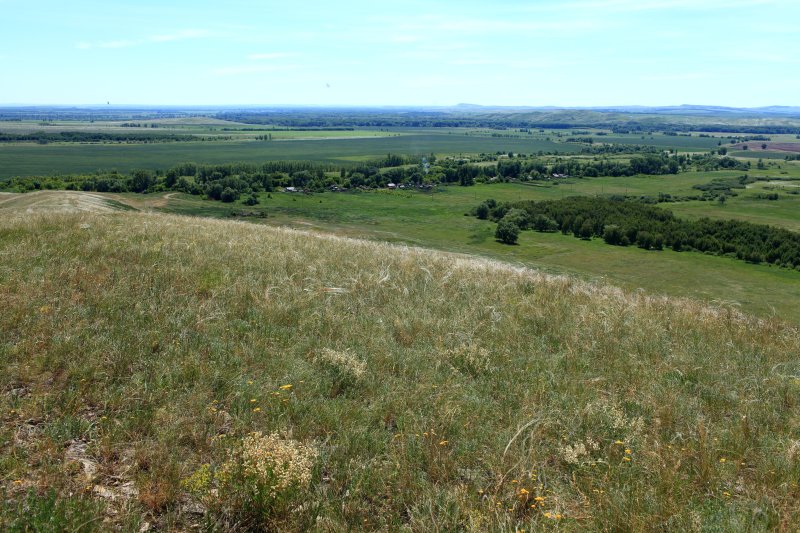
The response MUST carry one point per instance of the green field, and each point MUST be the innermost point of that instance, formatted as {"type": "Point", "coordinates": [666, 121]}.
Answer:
{"type": "Point", "coordinates": [30, 159]}
{"type": "Point", "coordinates": [437, 220]}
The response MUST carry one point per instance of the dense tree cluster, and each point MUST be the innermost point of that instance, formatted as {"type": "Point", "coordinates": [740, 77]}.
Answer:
{"type": "Point", "coordinates": [624, 223]}
{"type": "Point", "coordinates": [726, 186]}
{"type": "Point", "coordinates": [229, 182]}
{"type": "Point", "coordinates": [537, 169]}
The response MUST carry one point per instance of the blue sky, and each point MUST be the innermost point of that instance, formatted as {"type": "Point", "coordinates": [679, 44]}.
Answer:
{"type": "Point", "coordinates": [564, 53]}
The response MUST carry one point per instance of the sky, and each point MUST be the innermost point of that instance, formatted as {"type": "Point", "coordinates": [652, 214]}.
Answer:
{"type": "Point", "coordinates": [364, 53]}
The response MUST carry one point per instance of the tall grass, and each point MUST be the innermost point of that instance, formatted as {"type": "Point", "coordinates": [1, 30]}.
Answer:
{"type": "Point", "coordinates": [438, 393]}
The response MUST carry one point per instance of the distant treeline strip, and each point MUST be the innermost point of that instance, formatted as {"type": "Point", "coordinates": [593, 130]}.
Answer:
{"type": "Point", "coordinates": [434, 119]}
{"type": "Point", "coordinates": [624, 223]}
{"type": "Point", "coordinates": [92, 137]}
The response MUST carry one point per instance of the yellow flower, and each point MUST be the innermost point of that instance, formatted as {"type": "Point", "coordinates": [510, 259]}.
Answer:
{"type": "Point", "coordinates": [626, 458]}
{"type": "Point", "coordinates": [722, 460]}
{"type": "Point", "coordinates": [257, 410]}
{"type": "Point", "coordinates": [252, 400]}
{"type": "Point", "coordinates": [443, 443]}
{"type": "Point", "coordinates": [249, 381]}
{"type": "Point", "coordinates": [558, 516]}
{"type": "Point", "coordinates": [726, 493]}
{"type": "Point", "coordinates": [548, 515]}
{"type": "Point", "coordinates": [286, 387]}
{"type": "Point", "coordinates": [618, 442]}
{"type": "Point", "coordinates": [628, 451]}
{"type": "Point", "coordinates": [523, 492]}
{"type": "Point", "coordinates": [539, 498]}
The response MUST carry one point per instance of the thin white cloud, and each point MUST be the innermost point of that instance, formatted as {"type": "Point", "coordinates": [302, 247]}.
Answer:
{"type": "Point", "coordinates": [651, 5]}
{"type": "Point", "coordinates": [421, 27]}
{"type": "Point", "coordinates": [688, 76]}
{"type": "Point", "coordinates": [180, 35]}
{"type": "Point", "coordinates": [236, 70]}
{"type": "Point", "coordinates": [271, 55]}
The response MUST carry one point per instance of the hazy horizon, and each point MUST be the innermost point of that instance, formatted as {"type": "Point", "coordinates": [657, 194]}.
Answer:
{"type": "Point", "coordinates": [574, 54]}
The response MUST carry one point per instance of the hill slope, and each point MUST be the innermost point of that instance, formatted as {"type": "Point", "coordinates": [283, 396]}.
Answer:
{"type": "Point", "coordinates": [436, 392]}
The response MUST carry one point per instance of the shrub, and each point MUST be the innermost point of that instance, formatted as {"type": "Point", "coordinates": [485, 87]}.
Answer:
{"type": "Point", "coordinates": [507, 232]}
{"type": "Point", "coordinates": [260, 484]}
{"type": "Point", "coordinates": [343, 367]}
{"type": "Point", "coordinates": [228, 195]}
{"type": "Point", "coordinates": [612, 234]}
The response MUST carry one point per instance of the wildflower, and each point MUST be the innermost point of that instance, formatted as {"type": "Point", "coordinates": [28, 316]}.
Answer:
{"type": "Point", "coordinates": [249, 381]}
{"type": "Point", "coordinates": [288, 386]}
{"type": "Point", "coordinates": [257, 410]}
{"type": "Point", "coordinates": [618, 442]}
{"type": "Point", "coordinates": [726, 493]}
{"type": "Point", "coordinates": [626, 459]}
{"type": "Point", "coordinates": [18, 481]}
{"type": "Point", "coordinates": [539, 498]}
{"type": "Point", "coordinates": [252, 400]}
{"type": "Point", "coordinates": [514, 481]}
{"type": "Point", "coordinates": [628, 451]}
{"type": "Point", "coordinates": [524, 492]}
{"type": "Point", "coordinates": [443, 443]}
{"type": "Point", "coordinates": [548, 515]}
{"type": "Point", "coordinates": [558, 516]}
{"type": "Point", "coordinates": [722, 459]}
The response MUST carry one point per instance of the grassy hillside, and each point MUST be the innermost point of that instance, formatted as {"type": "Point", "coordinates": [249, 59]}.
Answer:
{"type": "Point", "coordinates": [403, 388]}
{"type": "Point", "coordinates": [437, 221]}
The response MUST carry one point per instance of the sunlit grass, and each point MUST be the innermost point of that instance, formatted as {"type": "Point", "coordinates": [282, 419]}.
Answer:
{"type": "Point", "coordinates": [437, 392]}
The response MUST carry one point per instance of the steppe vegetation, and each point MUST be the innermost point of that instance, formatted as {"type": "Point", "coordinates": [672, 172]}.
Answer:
{"type": "Point", "coordinates": [151, 359]}
{"type": "Point", "coordinates": [174, 357]}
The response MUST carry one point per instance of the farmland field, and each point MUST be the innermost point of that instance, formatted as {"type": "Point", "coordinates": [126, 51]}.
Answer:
{"type": "Point", "coordinates": [28, 159]}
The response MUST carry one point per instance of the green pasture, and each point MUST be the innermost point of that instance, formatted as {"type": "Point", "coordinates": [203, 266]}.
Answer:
{"type": "Point", "coordinates": [437, 220]}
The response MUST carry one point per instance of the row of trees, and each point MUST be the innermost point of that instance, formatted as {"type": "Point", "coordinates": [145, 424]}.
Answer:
{"type": "Point", "coordinates": [623, 223]}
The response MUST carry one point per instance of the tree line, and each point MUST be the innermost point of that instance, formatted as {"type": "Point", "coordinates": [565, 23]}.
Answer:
{"type": "Point", "coordinates": [624, 223]}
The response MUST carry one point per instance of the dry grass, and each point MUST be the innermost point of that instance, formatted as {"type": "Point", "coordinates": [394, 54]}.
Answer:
{"type": "Point", "coordinates": [488, 397]}
{"type": "Point", "coordinates": [43, 202]}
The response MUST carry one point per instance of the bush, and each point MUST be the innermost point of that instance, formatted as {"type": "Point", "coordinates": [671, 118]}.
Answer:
{"type": "Point", "coordinates": [262, 480]}
{"type": "Point", "coordinates": [228, 195]}
{"type": "Point", "coordinates": [507, 232]}
{"type": "Point", "coordinates": [612, 234]}
{"type": "Point", "coordinates": [544, 223]}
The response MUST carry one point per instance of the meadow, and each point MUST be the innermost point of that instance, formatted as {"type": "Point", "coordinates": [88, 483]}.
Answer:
{"type": "Point", "coordinates": [436, 220]}
{"type": "Point", "coordinates": [154, 366]}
